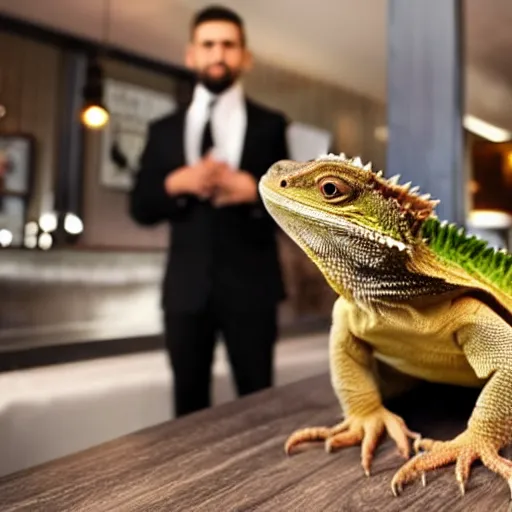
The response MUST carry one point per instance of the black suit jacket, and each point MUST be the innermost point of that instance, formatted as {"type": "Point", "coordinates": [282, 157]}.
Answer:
{"type": "Point", "coordinates": [230, 253]}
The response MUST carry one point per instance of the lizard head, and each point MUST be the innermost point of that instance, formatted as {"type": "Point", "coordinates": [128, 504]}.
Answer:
{"type": "Point", "coordinates": [336, 208]}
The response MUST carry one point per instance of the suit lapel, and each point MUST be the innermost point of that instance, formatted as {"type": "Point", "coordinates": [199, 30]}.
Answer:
{"type": "Point", "coordinates": [173, 150]}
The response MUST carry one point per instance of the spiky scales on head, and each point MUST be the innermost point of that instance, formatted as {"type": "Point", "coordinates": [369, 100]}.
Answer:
{"type": "Point", "coordinates": [413, 207]}
{"type": "Point", "coordinates": [358, 227]}
{"type": "Point", "coordinates": [346, 191]}
{"type": "Point", "coordinates": [373, 235]}
{"type": "Point", "coordinates": [346, 188]}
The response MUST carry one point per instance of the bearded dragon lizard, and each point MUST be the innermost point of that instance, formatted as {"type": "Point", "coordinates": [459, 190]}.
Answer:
{"type": "Point", "coordinates": [414, 293]}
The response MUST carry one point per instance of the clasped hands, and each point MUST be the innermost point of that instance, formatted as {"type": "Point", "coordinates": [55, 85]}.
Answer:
{"type": "Point", "coordinates": [214, 180]}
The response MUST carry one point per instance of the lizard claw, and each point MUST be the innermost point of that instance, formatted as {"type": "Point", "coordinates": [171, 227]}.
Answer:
{"type": "Point", "coordinates": [463, 450]}
{"type": "Point", "coordinates": [365, 430]}
{"type": "Point", "coordinates": [396, 488]}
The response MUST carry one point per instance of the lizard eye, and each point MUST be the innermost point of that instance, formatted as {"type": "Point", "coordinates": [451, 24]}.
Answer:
{"type": "Point", "coordinates": [332, 188]}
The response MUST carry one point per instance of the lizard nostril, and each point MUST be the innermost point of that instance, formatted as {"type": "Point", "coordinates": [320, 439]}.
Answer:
{"type": "Point", "coordinates": [283, 183]}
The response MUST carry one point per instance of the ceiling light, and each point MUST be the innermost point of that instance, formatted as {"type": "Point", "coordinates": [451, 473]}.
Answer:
{"type": "Point", "coordinates": [5, 238]}
{"type": "Point", "coordinates": [48, 222]}
{"type": "Point", "coordinates": [73, 224]}
{"type": "Point", "coordinates": [45, 241]}
{"type": "Point", "coordinates": [486, 130]}
{"type": "Point", "coordinates": [31, 228]}
{"type": "Point", "coordinates": [490, 219]}
{"type": "Point", "coordinates": [94, 113]}
{"type": "Point", "coordinates": [30, 241]}
{"type": "Point", "coordinates": [471, 123]}
{"type": "Point", "coordinates": [95, 116]}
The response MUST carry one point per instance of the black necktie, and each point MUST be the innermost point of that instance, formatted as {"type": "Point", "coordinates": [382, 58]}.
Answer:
{"type": "Point", "coordinates": [207, 141]}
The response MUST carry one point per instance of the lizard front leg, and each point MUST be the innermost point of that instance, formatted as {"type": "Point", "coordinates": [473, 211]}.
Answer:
{"type": "Point", "coordinates": [486, 340]}
{"type": "Point", "coordinates": [354, 382]}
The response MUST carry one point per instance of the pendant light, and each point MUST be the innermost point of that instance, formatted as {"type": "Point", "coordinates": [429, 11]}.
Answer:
{"type": "Point", "coordinates": [94, 113]}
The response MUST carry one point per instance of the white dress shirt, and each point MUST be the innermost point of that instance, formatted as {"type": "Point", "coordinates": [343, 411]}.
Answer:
{"type": "Point", "coordinates": [228, 123]}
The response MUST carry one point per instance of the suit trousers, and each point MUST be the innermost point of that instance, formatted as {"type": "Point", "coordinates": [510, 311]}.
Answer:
{"type": "Point", "coordinates": [249, 336]}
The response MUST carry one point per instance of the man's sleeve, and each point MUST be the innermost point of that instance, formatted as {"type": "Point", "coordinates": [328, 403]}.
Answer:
{"type": "Point", "coordinates": [149, 201]}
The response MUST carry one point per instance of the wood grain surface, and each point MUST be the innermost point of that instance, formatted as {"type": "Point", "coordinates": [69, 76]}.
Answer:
{"type": "Point", "coordinates": [231, 458]}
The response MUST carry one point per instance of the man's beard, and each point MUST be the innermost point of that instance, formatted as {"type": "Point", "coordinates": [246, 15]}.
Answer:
{"type": "Point", "coordinates": [218, 84]}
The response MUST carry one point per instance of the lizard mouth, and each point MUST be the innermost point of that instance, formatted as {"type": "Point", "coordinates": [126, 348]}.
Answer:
{"type": "Point", "coordinates": [280, 207]}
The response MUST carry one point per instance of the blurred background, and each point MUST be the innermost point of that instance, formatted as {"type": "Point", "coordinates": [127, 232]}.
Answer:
{"type": "Point", "coordinates": [81, 350]}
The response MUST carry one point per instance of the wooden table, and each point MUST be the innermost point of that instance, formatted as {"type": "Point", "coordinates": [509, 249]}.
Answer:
{"type": "Point", "coordinates": [231, 458]}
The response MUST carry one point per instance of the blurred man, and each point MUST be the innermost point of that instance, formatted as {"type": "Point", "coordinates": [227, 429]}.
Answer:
{"type": "Point", "coordinates": [199, 171]}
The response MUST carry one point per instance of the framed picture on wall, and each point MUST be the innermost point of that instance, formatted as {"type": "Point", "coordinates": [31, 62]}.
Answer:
{"type": "Point", "coordinates": [16, 160]}
{"type": "Point", "coordinates": [16, 168]}
{"type": "Point", "coordinates": [131, 109]}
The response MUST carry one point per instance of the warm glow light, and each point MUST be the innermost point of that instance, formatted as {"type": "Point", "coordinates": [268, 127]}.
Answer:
{"type": "Point", "coordinates": [30, 241]}
{"type": "Point", "coordinates": [471, 123]}
{"type": "Point", "coordinates": [473, 186]}
{"type": "Point", "coordinates": [45, 241]}
{"type": "Point", "coordinates": [490, 219]}
{"type": "Point", "coordinates": [31, 228]}
{"type": "Point", "coordinates": [507, 170]}
{"type": "Point", "coordinates": [486, 130]}
{"type": "Point", "coordinates": [95, 116]}
{"type": "Point", "coordinates": [48, 221]}
{"type": "Point", "coordinates": [5, 238]}
{"type": "Point", "coordinates": [73, 224]}
{"type": "Point", "coordinates": [381, 133]}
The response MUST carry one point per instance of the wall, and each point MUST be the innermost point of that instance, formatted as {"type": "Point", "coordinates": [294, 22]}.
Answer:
{"type": "Point", "coordinates": [351, 118]}
{"type": "Point", "coordinates": [29, 89]}
{"type": "Point", "coordinates": [62, 309]}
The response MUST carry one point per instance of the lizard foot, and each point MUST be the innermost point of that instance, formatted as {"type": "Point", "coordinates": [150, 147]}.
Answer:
{"type": "Point", "coordinates": [462, 450]}
{"type": "Point", "coordinates": [366, 430]}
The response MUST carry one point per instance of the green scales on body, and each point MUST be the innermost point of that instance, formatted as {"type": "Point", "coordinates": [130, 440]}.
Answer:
{"type": "Point", "coordinates": [415, 294]}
